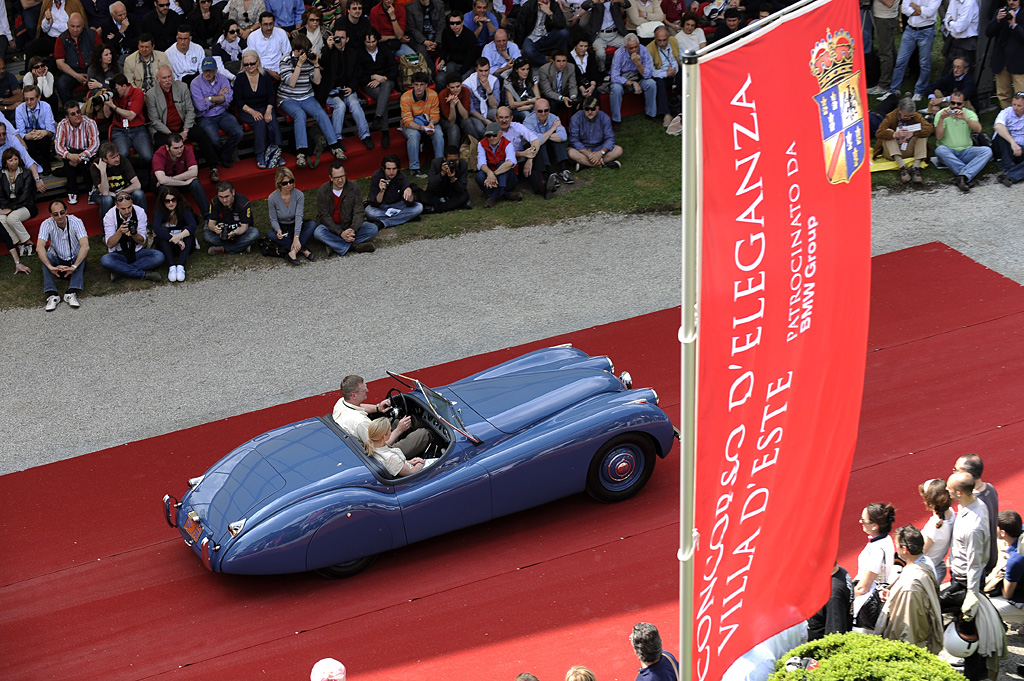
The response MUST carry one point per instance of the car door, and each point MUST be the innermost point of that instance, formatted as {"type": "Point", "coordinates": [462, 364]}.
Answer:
{"type": "Point", "coordinates": [450, 495]}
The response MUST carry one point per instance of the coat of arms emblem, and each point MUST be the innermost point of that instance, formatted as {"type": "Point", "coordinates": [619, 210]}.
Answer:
{"type": "Point", "coordinates": [839, 106]}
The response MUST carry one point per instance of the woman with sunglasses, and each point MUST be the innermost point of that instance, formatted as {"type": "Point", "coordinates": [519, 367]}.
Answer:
{"type": "Point", "coordinates": [312, 20]}
{"type": "Point", "coordinates": [246, 13]}
{"type": "Point", "coordinates": [876, 564]}
{"type": "Point", "coordinates": [229, 46]}
{"type": "Point", "coordinates": [938, 531]}
{"type": "Point", "coordinates": [255, 97]}
{"type": "Point", "coordinates": [286, 206]}
{"type": "Point", "coordinates": [174, 225]}
{"type": "Point", "coordinates": [38, 74]}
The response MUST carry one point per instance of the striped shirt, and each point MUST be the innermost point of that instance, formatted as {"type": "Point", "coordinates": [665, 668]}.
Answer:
{"type": "Point", "coordinates": [303, 86]}
{"type": "Point", "coordinates": [85, 137]}
{"type": "Point", "coordinates": [63, 242]}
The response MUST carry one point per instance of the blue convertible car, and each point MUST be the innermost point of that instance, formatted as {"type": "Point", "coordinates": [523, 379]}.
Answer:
{"type": "Point", "coordinates": [543, 426]}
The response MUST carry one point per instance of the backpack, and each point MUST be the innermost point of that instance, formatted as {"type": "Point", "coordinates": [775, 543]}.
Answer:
{"type": "Point", "coordinates": [408, 66]}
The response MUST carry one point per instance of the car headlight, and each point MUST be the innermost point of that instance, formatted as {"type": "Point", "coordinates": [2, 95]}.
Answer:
{"type": "Point", "coordinates": [194, 482]}
{"type": "Point", "coordinates": [236, 527]}
{"type": "Point", "coordinates": [655, 395]}
{"type": "Point", "coordinates": [626, 379]}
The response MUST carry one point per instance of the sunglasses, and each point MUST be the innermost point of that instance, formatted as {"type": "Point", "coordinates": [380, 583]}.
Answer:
{"type": "Point", "coordinates": [232, 31]}
{"type": "Point", "coordinates": [166, 4]}
{"type": "Point", "coordinates": [542, 110]}
{"type": "Point", "coordinates": [285, 183]}
{"type": "Point", "coordinates": [59, 213]}
{"type": "Point", "coordinates": [590, 108]}
{"type": "Point", "coordinates": [170, 199]}
{"type": "Point", "coordinates": [249, 63]}
{"type": "Point", "coordinates": [123, 198]}
{"type": "Point", "coordinates": [454, 23]}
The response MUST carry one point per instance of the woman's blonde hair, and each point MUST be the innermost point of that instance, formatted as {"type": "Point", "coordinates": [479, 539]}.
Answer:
{"type": "Point", "coordinates": [255, 55]}
{"type": "Point", "coordinates": [580, 673]}
{"type": "Point", "coordinates": [283, 174]}
{"type": "Point", "coordinates": [377, 431]}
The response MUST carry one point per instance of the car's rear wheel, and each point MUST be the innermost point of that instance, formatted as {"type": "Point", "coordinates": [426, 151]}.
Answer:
{"type": "Point", "coordinates": [346, 569]}
{"type": "Point", "coordinates": [621, 468]}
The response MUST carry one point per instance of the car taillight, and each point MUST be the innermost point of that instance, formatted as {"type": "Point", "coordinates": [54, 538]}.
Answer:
{"type": "Point", "coordinates": [236, 527]}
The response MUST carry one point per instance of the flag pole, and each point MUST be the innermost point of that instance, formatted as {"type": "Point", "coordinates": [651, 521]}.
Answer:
{"type": "Point", "coordinates": [688, 535]}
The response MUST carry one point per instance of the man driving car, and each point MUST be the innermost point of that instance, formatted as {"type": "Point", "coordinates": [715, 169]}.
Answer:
{"type": "Point", "coordinates": [351, 412]}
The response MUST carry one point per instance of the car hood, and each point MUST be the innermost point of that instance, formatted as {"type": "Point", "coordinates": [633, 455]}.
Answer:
{"type": "Point", "coordinates": [511, 403]}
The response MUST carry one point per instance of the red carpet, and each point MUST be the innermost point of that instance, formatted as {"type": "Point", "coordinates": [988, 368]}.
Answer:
{"type": "Point", "coordinates": [96, 586]}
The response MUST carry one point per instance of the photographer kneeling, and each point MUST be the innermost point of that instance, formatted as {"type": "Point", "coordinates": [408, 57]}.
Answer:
{"type": "Point", "coordinates": [446, 183]}
{"type": "Point", "coordinates": [124, 232]}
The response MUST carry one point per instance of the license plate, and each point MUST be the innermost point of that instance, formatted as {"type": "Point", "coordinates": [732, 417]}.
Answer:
{"type": "Point", "coordinates": [194, 528]}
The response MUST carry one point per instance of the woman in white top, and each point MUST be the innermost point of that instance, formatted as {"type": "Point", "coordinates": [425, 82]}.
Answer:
{"type": "Point", "coordinates": [938, 531]}
{"type": "Point", "coordinates": [392, 458]}
{"type": "Point", "coordinates": [691, 37]}
{"type": "Point", "coordinates": [876, 562]}
{"type": "Point", "coordinates": [38, 73]}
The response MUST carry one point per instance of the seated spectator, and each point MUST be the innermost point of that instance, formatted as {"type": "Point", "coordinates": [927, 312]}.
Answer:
{"type": "Point", "coordinates": [447, 180]}
{"type": "Point", "coordinates": [481, 23]}
{"type": "Point", "coordinates": [958, 78]}
{"type": "Point", "coordinates": [355, 23]}
{"type": "Point", "coordinates": [38, 73]}
{"type": "Point", "coordinates": [421, 115]}
{"type": "Point", "coordinates": [35, 127]}
{"type": "Point", "coordinates": [255, 97]}
{"type": "Point", "coordinates": [454, 102]}
{"type": "Point", "coordinates": [288, 229]}
{"type": "Point", "coordinates": [527, 146]}
{"type": "Point", "coordinates": [643, 16]}
{"type": "Point", "coordinates": [65, 257]}
{"type": "Point", "coordinates": [729, 26]}
{"type": "Point", "coordinates": [633, 71]}
{"type": "Point", "coordinates": [171, 111]}
{"type": "Point", "coordinates": [585, 64]}
{"type": "Point", "coordinates": [392, 458]}
{"type": "Point", "coordinates": [246, 15]}
{"type": "Point", "coordinates": [458, 50]}
{"type": "Point", "coordinates": [388, 18]}
{"type": "Point", "coordinates": [553, 157]}
{"type": "Point", "coordinates": [271, 43]}
{"type": "Point", "coordinates": [899, 143]}
{"type": "Point", "coordinates": [206, 21]}
{"type": "Point", "coordinates": [338, 86]}
{"type": "Point", "coordinates": [128, 129]}
{"type": "Point", "coordinates": [19, 267]}
{"type": "Point", "coordinates": [377, 70]}
{"type": "Point", "coordinates": [425, 22]}
{"type": "Point", "coordinates": [113, 173]}
{"type": "Point", "coordinates": [955, 146]}
{"type": "Point", "coordinates": [119, 32]}
{"type": "Point", "coordinates": [77, 141]}
{"type": "Point", "coordinates": [287, 14]}
{"type": "Point", "coordinates": [912, 612]}
{"type": "Point", "coordinates": [496, 166]}
{"type": "Point", "coordinates": [175, 228]}
{"type": "Point", "coordinates": [521, 89]}
{"type": "Point", "coordinates": [73, 51]}
{"type": "Point", "coordinates": [484, 94]}
{"type": "Point", "coordinates": [607, 26]}
{"type": "Point", "coordinates": [298, 76]}
{"type": "Point", "coordinates": [185, 56]}
{"type": "Point", "coordinates": [211, 96]}
{"type": "Point", "coordinates": [17, 204]}
{"type": "Point", "coordinates": [1003, 583]}
{"type": "Point", "coordinates": [141, 67]}
{"type": "Point", "coordinates": [540, 27]}
{"type": "Point", "coordinates": [591, 138]}
{"type": "Point", "coordinates": [558, 83]}
{"type": "Point", "coordinates": [175, 166]}
{"type": "Point", "coordinates": [692, 36]}
{"type": "Point", "coordinates": [312, 27]}
{"type": "Point", "coordinates": [1006, 144]}
{"type": "Point", "coordinates": [49, 29]}
{"type": "Point", "coordinates": [674, 10]}
{"type": "Point", "coordinates": [835, 616]}
{"type": "Point", "coordinates": [342, 220]}
{"type": "Point", "coordinates": [162, 24]}
{"type": "Point", "coordinates": [331, 11]}
{"type": "Point", "coordinates": [229, 47]}
{"type": "Point", "coordinates": [391, 202]}
{"type": "Point", "coordinates": [102, 67]}
{"type": "Point", "coordinates": [124, 233]}
{"type": "Point", "coordinates": [229, 224]}
{"type": "Point", "coordinates": [12, 142]}
{"type": "Point", "coordinates": [657, 664]}
{"type": "Point", "coordinates": [667, 74]}
{"type": "Point", "coordinates": [501, 54]}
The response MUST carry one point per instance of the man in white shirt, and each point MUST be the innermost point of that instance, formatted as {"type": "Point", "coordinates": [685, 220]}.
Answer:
{"type": "Point", "coordinates": [352, 414]}
{"type": "Point", "coordinates": [501, 53]}
{"type": "Point", "coordinates": [124, 233]}
{"type": "Point", "coordinates": [920, 33]}
{"type": "Point", "coordinates": [65, 258]}
{"type": "Point", "coordinates": [186, 57]}
{"type": "Point", "coordinates": [271, 43]}
{"type": "Point", "coordinates": [960, 25]}
{"type": "Point", "coordinates": [527, 145]}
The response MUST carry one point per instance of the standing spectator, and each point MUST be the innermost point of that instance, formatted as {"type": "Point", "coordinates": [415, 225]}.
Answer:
{"type": "Point", "coordinates": [521, 88]}
{"type": "Point", "coordinates": [255, 97]}
{"type": "Point", "coordinates": [77, 141]}
{"type": "Point", "coordinates": [877, 560]}
{"type": "Point", "coordinates": [424, 21]}
{"type": "Point", "coordinates": [421, 114]}
{"type": "Point", "coordinates": [496, 166]}
{"type": "Point", "coordinates": [206, 21]}
{"type": "Point", "coordinates": [920, 34]}
{"type": "Point", "coordinates": [955, 146]}
{"type": "Point", "coordinates": [312, 28]}
{"type": "Point", "coordinates": [454, 102]}
{"type": "Point", "coordinates": [539, 27]}
{"type": "Point", "coordinates": [175, 166]}
{"type": "Point", "coordinates": [391, 202]}
{"type": "Point", "coordinates": [288, 229]}
{"type": "Point", "coordinates": [1007, 61]}
{"type": "Point", "coordinates": [229, 47]}
{"type": "Point", "coordinates": [656, 664]}
{"type": "Point", "coordinates": [124, 233]}
{"type": "Point", "coordinates": [938, 530]}
{"type": "Point", "coordinates": [632, 71]}
{"type": "Point", "coordinates": [186, 57]}
{"type": "Point", "coordinates": [1006, 593]}
{"type": "Point", "coordinates": [229, 224]}
{"type": "Point", "coordinates": [1006, 144]}
{"type": "Point", "coordinates": [558, 83]}
{"type": "Point", "coordinates": [113, 173]}
{"type": "Point", "coordinates": [481, 23]}
{"type": "Point", "coordinates": [118, 31]}
{"type": "Point", "coordinates": [162, 24]}
{"type": "Point", "coordinates": [501, 54]}
{"type": "Point", "coordinates": [65, 257]}
{"type": "Point", "coordinates": [885, 15]}
{"type": "Point", "coordinates": [246, 13]}
{"type": "Point", "coordinates": [35, 127]}
{"type": "Point", "coordinates": [271, 43]}
{"type": "Point", "coordinates": [211, 96]}
{"type": "Point", "coordinates": [587, 71]}
{"type": "Point", "coordinates": [287, 13]}
{"type": "Point", "coordinates": [73, 52]}
{"type": "Point", "coordinates": [899, 142]}
{"type": "Point", "coordinates": [38, 73]}
{"type": "Point", "coordinates": [592, 139]}
{"type": "Point", "coordinates": [692, 37]}
{"type": "Point", "coordinates": [175, 229]}
{"type": "Point", "coordinates": [128, 129]}
{"type": "Point", "coordinates": [298, 76]}
{"type": "Point", "coordinates": [553, 156]}
{"type": "Point", "coordinates": [458, 50]}
{"type": "Point", "coordinates": [377, 69]}
{"type": "Point", "coordinates": [355, 23]}
{"type": "Point", "coordinates": [834, 617]}
{"type": "Point", "coordinates": [961, 30]}
{"type": "Point", "coordinates": [987, 494]}
{"type": "Point", "coordinates": [607, 26]}
{"type": "Point", "coordinates": [17, 204]}
{"type": "Point", "coordinates": [388, 18]}
{"type": "Point", "coordinates": [338, 86]}
{"type": "Point", "coordinates": [483, 92]}
{"type": "Point", "coordinates": [141, 67]}
{"type": "Point", "coordinates": [339, 211]}
{"type": "Point", "coordinates": [912, 612]}
{"type": "Point", "coordinates": [446, 183]}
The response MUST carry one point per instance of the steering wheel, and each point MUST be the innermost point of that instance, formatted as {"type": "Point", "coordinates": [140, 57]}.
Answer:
{"type": "Point", "coordinates": [398, 402]}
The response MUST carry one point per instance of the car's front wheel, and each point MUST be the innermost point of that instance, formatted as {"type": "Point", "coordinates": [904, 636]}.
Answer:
{"type": "Point", "coordinates": [621, 468]}
{"type": "Point", "coordinates": [346, 569]}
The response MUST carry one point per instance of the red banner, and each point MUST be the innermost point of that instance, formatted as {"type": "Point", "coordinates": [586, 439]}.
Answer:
{"type": "Point", "coordinates": [786, 212]}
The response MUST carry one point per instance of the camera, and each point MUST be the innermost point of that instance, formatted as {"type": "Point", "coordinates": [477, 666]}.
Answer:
{"type": "Point", "coordinates": [452, 166]}
{"type": "Point", "coordinates": [103, 96]}
{"type": "Point", "coordinates": [310, 55]}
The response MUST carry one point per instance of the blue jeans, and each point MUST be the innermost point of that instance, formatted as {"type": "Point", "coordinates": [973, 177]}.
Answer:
{"type": "Point", "coordinates": [867, 29]}
{"type": "Point", "coordinates": [339, 105]}
{"type": "Point", "coordinates": [305, 232]}
{"type": "Point", "coordinates": [107, 202]}
{"type": "Point", "coordinates": [212, 125]}
{"type": "Point", "coordinates": [145, 259]}
{"type": "Point", "coordinates": [260, 130]}
{"type": "Point", "coordinates": [532, 50]}
{"type": "Point", "coordinates": [404, 214]}
{"type": "Point", "coordinates": [298, 109]}
{"type": "Point", "coordinates": [506, 183]}
{"type": "Point", "coordinates": [75, 281]}
{"type": "Point", "coordinates": [650, 90]}
{"type": "Point", "coordinates": [412, 144]}
{"type": "Point", "coordinates": [1012, 166]}
{"type": "Point", "coordinates": [236, 245]}
{"type": "Point", "coordinates": [923, 39]}
{"type": "Point", "coordinates": [968, 162]}
{"type": "Point", "coordinates": [138, 137]}
{"type": "Point", "coordinates": [321, 233]}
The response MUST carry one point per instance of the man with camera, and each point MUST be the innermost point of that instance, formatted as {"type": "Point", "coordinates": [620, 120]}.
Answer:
{"type": "Point", "coordinates": [1008, 51]}
{"type": "Point", "coordinates": [446, 183]}
{"type": "Point", "coordinates": [342, 225]}
{"type": "Point", "coordinates": [351, 412]}
{"type": "Point", "coordinates": [113, 173]}
{"type": "Point", "coordinates": [953, 127]}
{"type": "Point", "coordinates": [127, 109]}
{"type": "Point", "coordinates": [337, 87]}
{"type": "Point", "coordinates": [391, 201]}
{"type": "Point", "coordinates": [77, 141]}
{"type": "Point", "coordinates": [271, 43]}
{"type": "Point", "coordinates": [229, 224]}
{"type": "Point", "coordinates": [124, 233]}
{"type": "Point", "coordinates": [558, 82]}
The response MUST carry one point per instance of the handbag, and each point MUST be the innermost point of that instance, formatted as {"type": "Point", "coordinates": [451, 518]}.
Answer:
{"type": "Point", "coordinates": [271, 249]}
{"type": "Point", "coordinates": [868, 614]}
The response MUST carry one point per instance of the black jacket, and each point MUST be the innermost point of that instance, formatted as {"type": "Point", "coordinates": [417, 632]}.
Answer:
{"type": "Point", "coordinates": [385, 65]}
{"type": "Point", "coordinates": [1008, 51]}
{"type": "Point", "coordinates": [339, 70]}
{"type": "Point", "coordinates": [527, 20]}
{"type": "Point", "coordinates": [24, 190]}
{"type": "Point", "coordinates": [597, 10]}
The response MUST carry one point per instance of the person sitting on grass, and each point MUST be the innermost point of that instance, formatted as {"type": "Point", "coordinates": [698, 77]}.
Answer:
{"type": "Point", "coordinates": [496, 166]}
{"type": "Point", "coordinates": [342, 219]}
{"type": "Point", "coordinates": [1007, 141]}
{"type": "Point", "coordinates": [591, 138]}
{"type": "Point", "coordinates": [904, 134]}
{"type": "Point", "coordinates": [287, 228]}
{"type": "Point", "coordinates": [229, 228]}
{"type": "Point", "coordinates": [65, 258]}
{"type": "Point", "coordinates": [391, 202]}
{"type": "Point", "coordinates": [124, 233]}
{"type": "Point", "coordinates": [174, 226]}
{"type": "Point", "coordinates": [953, 127]}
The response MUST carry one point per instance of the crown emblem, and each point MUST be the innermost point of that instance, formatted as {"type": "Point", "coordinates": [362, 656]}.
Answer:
{"type": "Point", "coordinates": [832, 59]}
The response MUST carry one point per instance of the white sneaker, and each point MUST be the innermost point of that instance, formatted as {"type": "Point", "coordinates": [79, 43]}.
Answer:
{"type": "Point", "coordinates": [72, 300]}
{"type": "Point", "coordinates": [72, 199]}
{"type": "Point", "coordinates": [181, 273]}
{"type": "Point", "coordinates": [172, 273]}
{"type": "Point", "coordinates": [917, 97]}
{"type": "Point", "coordinates": [886, 96]}
{"type": "Point", "coordinates": [52, 302]}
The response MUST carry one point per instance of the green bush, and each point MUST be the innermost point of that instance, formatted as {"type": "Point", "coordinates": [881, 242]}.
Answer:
{"type": "Point", "coordinates": [859, 657]}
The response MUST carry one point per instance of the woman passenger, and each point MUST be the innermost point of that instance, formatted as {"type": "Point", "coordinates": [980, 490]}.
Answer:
{"type": "Point", "coordinates": [391, 458]}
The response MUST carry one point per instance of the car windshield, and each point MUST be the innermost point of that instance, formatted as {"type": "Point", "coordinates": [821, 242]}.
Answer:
{"type": "Point", "coordinates": [441, 407]}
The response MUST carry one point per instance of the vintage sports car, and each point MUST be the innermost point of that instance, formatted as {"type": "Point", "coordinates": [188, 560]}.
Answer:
{"type": "Point", "coordinates": [537, 428]}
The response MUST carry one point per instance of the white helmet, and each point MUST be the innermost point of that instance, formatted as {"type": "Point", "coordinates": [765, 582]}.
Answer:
{"type": "Point", "coordinates": [959, 643]}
